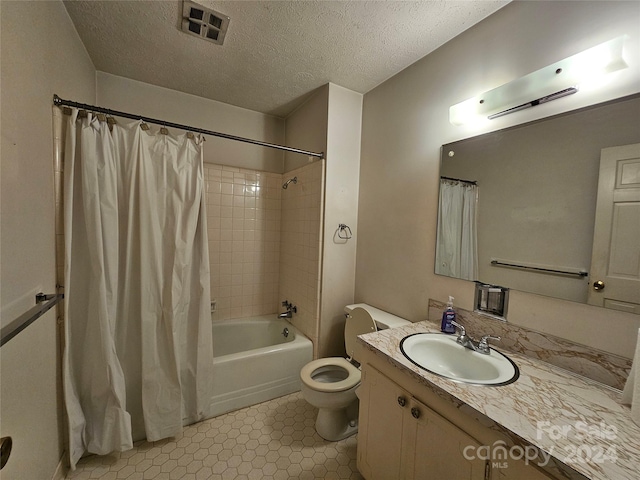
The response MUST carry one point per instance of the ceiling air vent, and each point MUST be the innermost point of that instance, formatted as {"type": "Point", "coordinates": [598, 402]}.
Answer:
{"type": "Point", "coordinates": [204, 22]}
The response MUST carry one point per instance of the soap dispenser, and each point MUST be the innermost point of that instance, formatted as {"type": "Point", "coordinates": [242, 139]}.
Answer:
{"type": "Point", "coordinates": [448, 316]}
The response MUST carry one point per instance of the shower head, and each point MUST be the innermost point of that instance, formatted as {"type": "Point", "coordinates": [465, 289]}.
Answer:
{"type": "Point", "coordinates": [286, 184]}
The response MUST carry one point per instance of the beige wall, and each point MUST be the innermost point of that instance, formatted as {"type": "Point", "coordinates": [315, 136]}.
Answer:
{"type": "Point", "coordinates": [123, 94]}
{"type": "Point", "coordinates": [405, 121]}
{"type": "Point", "coordinates": [306, 126]}
{"type": "Point", "coordinates": [38, 61]}
{"type": "Point", "coordinates": [340, 206]}
{"type": "Point", "coordinates": [330, 121]}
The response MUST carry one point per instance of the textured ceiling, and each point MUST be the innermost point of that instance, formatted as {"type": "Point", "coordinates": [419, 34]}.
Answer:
{"type": "Point", "coordinates": [275, 52]}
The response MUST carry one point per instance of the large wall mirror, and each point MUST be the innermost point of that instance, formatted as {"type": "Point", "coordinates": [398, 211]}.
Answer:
{"type": "Point", "coordinates": [518, 207]}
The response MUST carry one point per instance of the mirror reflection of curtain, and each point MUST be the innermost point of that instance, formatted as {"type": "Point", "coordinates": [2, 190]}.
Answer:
{"type": "Point", "coordinates": [456, 247]}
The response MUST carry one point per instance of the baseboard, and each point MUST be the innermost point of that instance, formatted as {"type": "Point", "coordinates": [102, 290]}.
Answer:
{"type": "Point", "coordinates": [61, 470]}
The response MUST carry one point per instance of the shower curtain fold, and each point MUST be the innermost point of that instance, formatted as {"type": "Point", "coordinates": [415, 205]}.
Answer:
{"type": "Point", "coordinates": [138, 349]}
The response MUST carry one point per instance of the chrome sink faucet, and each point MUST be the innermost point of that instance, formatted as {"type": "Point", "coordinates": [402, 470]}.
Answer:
{"type": "Point", "coordinates": [291, 309]}
{"type": "Point", "coordinates": [466, 341]}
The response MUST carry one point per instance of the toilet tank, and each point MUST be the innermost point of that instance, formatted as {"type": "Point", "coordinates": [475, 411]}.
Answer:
{"type": "Point", "coordinates": [383, 319]}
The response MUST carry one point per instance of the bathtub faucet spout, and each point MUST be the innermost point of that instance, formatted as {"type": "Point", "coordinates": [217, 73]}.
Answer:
{"type": "Point", "coordinates": [291, 309]}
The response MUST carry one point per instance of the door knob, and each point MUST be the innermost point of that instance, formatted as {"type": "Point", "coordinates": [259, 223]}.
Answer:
{"type": "Point", "coordinates": [599, 285]}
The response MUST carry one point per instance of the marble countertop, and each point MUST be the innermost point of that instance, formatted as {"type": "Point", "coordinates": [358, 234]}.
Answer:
{"type": "Point", "coordinates": [577, 421]}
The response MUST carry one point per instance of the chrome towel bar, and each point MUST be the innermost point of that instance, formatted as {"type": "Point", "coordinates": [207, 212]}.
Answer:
{"type": "Point", "coordinates": [43, 304]}
{"type": "Point", "coordinates": [500, 263]}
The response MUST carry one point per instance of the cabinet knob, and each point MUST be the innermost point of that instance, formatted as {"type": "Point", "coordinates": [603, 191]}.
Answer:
{"type": "Point", "coordinates": [402, 401]}
{"type": "Point", "coordinates": [599, 285]}
{"type": "Point", "coordinates": [415, 412]}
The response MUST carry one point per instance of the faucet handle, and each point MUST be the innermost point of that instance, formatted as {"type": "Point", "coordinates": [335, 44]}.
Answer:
{"type": "Point", "coordinates": [484, 344]}
{"type": "Point", "coordinates": [286, 304]}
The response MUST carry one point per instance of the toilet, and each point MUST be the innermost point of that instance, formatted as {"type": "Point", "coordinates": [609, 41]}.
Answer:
{"type": "Point", "coordinates": [330, 384]}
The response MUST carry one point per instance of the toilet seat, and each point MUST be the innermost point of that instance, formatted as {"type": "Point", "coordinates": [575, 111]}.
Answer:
{"type": "Point", "coordinates": [358, 323]}
{"type": "Point", "coordinates": [352, 379]}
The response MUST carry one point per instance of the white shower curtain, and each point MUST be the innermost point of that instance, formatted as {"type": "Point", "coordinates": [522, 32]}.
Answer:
{"type": "Point", "coordinates": [456, 245]}
{"type": "Point", "coordinates": [138, 348]}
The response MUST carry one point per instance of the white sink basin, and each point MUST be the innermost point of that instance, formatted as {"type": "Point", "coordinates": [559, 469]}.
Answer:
{"type": "Point", "coordinates": [442, 355]}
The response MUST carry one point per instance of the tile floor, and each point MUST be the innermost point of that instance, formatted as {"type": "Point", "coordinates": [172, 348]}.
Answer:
{"type": "Point", "coordinates": [271, 441]}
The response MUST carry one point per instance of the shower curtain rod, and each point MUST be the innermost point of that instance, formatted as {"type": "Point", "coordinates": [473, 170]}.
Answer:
{"type": "Point", "coordinates": [471, 182]}
{"type": "Point", "coordinates": [114, 113]}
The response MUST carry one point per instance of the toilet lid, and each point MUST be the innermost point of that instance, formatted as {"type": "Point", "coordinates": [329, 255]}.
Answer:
{"type": "Point", "coordinates": [358, 322]}
{"type": "Point", "coordinates": [306, 375]}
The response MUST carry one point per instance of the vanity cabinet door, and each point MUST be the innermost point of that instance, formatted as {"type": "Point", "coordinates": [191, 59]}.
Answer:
{"type": "Point", "coordinates": [382, 409]}
{"type": "Point", "coordinates": [401, 438]}
{"type": "Point", "coordinates": [440, 449]}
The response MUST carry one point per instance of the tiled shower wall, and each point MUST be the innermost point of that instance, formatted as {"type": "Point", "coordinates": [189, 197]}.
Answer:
{"type": "Point", "coordinates": [301, 246]}
{"type": "Point", "coordinates": [243, 221]}
{"type": "Point", "coordinates": [264, 242]}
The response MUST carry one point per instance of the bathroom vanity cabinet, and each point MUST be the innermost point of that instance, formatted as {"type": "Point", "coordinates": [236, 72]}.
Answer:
{"type": "Point", "coordinates": [400, 437]}
{"type": "Point", "coordinates": [536, 416]}
{"type": "Point", "coordinates": [408, 432]}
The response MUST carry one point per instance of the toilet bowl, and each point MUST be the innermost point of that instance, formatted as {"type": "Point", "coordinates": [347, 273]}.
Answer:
{"type": "Point", "coordinates": [330, 384]}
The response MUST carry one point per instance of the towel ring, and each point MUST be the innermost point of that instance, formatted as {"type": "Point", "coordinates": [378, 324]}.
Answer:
{"type": "Point", "coordinates": [344, 229]}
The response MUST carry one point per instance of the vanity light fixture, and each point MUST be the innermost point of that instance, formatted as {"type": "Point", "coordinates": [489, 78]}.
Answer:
{"type": "Point", "coordinates": [549, 83]}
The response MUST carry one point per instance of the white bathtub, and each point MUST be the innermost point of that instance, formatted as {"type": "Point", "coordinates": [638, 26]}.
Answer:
{"type": "Point", "coordinates": [254, 362]}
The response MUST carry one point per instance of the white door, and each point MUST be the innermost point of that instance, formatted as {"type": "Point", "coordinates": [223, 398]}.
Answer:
{"type": "Point", "coordinates": [615, 260]}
